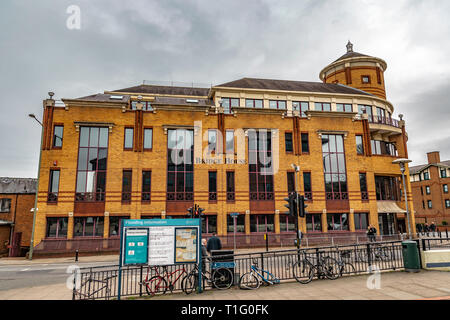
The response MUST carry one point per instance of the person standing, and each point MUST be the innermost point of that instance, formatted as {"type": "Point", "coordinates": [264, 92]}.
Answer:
{"type": "Point", "coordinates": [204, 254]}
{"type": "Point", "coordinates": [371, 233]}
{"type": "Point", "coordinates": [433, 228]}
{"type": "Point", "coordinates": [213, 243]}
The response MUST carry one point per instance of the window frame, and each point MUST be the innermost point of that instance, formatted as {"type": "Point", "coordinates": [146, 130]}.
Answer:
{"type": "Point", "coordinates": [314, 223]}
{"type": "Point", "coordinates": [363, 188]}
{"type": "Point", "coordinates": [210, 149]}
{"type": "Point", "coordinates": [54, 136]}
{"type": "Point", "coordinates": [302, 135]}
{"type": "Point", "coordinates": [427, 190]}
{"type": "Point", "coordinates": [286, 133]}
{"type": "Point", "coordinates": [3, 202]}
{"type": "Point", "coordinates": [369, 80]}
{"type": "Point", "coordinates": [143, 139]}
{"type": "Point", "coordinates": [316, 104]}
{"type": "Point", "coordinates": [125, 148]}
{"type": "Point", "coordinates": [212, 194]}
{"type": "Point", "coordinates": [50, 192]}
{"type": "Point", "coordinates": [254, 103]}
{"type": "Point", "coordinates": [227, 110]}
{"type": "Point", "coordinates": [358, 217]}
{"type": "Point", "coordinates": [228, 151]}
{"type": "Point", "coordinates": [146, 196]}
{"type": "Point", "coordinates": [277, 102]}
{"type": "Point", "coordinates": [57, 227]}
{"type": "Point", "coordinates": [345, 107]}
{"type": "Point", "coordinates": [129, 193]}
{"type": "Point", "coordinates": [308, 193]}
{"type": "Point", "coordinates": [445, 188]}
{"type": "Point", "coordinates": [258, 217]}
{"type": "Point", "coordinates": [361, 144]}
{"type": "Point", "coordinates": [429, 204]}
{"type": "Point", "coordinates": [231, 192]}
{"type": "Point", "coordinates": [84, 219]}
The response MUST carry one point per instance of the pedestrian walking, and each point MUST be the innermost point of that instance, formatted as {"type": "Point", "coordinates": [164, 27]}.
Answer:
{"type": "Point", "coordinates": [204, 254]}
{"type": "Point", "coordinates": [426, 228]}
{"type": "Point", "coordinates": [433, 228]}
{"type": "Point", "coordinates": [371, 233]}
{"type": "Point", "coordinates": [213, 243]}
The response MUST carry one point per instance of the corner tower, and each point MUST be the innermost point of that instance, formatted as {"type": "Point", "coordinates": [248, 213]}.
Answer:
{"type": "Point", "coordinates": [357, 70]}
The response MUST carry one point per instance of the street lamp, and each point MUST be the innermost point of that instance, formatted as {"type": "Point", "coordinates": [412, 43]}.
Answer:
{"type": "Point", "coordinates": [31, 115]}
{"type": "Point", "coordinates": [401, 163]}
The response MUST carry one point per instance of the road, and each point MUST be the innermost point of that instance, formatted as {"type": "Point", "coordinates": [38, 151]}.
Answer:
{"type": "Point", "coordinates": [24, 275]}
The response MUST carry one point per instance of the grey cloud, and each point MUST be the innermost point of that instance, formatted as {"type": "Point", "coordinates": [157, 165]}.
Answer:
{"type": "Point", "coordinates": [121, 43]}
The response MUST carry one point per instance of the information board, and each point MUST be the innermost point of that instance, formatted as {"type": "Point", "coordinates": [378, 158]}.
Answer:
{"type": "Point", "coordinates": [136, 246]}
{"type": "Point", "coordinates": [160, 241]}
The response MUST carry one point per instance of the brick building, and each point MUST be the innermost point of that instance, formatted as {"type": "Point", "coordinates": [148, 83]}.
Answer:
{"type": "Point", "coordinates": [16, 219]}
{"type": "Point", "coordinates": [127, 154]}
{"type": "Point", "coordinates": [430, 184]}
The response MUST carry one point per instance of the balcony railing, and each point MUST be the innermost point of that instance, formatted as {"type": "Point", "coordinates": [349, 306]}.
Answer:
{"type": "Point", "coordinates": [384, 120]}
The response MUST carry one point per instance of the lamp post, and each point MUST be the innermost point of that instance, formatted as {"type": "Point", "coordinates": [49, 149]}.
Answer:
{"type": "Point", "coordinates": [31, 115]}
{"type": "Point", "coordinates": [297, 170]}
{"type": "Point", "coordinates": [401, 163]}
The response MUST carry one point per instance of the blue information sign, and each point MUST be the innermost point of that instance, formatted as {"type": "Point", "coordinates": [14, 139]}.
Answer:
{"type": "Point", "coordinates": [136, 246]}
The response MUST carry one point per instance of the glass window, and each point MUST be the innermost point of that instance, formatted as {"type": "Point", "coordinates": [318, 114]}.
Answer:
{"type": "Point", "coordinates": [290, 182]}
{"type": "Point", "coordinates": [148, 139]}
{"type": "Point", "coordinates": [92, 160]}
{"type": "Point", "coordinates": [428, 190]}
{"type": "Point", "coordinates": [58, 136]}
{"type": "Point", "coordinates": [334, 167]}
{"type": "Point", "coordinates": [212, 185]}
{"type": "Point", "coordinates": [430, 204]}
{"type": "Point", "coordinates": [443, 173]}
{"type": "Point", "coordinates": [114, 225]}
{"type": "Point", "coordinates": [212, 140]}
{"type": "Point", "coordinates": [344, 107]}
{"type": "Point", "coordinates": [126, 185]}
{"type": "Point", "coordinates": [261, 223]}
{"type": "Point", "coordinates": [287, 223]}
{"type": "Point", "coordinates": [300, 106]}
{"type": "Point", "coordinates": [361, 221]}
{"type": "Point", "coordinates": [239, 226]}
{"type": "Point", "coordinates": [88, 227]}
{"type": "Point", "coordinates": [305, 143]}
{"type": "Point", "coordinates": [128, 140]}
{"type": "Point", "coordinates": [322, 106]}
{"type": "Point", "coordinates": [447, 203]}
{"type": "Point", "coordinates": [288, 141]}
{"type": "Point", "coordinates": [445, 188]}
{"type": "Point", "coordinates": [5, 205]}
{"type": "Point", "coordinates": [337, 221]}
{"type": "Point", "coordinates": [146, 185]}
{"type": "Point", "coordinates": [230, 186]}
{"type": "Point", "coordinates": [230, 141]}
{"type": "Point", "coordinates": [359, 144]}
{"type": "Point", "coordinates": [253, 103]}
{"type": "Point", "coordinates": [209, 224]}
{"type": "Point", "coordinates": [313, 222]}
{"type": "Point", "coordinates": [307, 185]}
{"type": "Point", "coordinates": [53, 187]}
{"type": "Point", "coordinates": [260, 165]}
{"type": "Point", "coordinates": [277, 104]}
{"type": "Point", "coordinates": [56, 228]}
{"type": "Point", "coordinates": [365, 79]}
{"type": "Point", "coordinates": [426, 176]}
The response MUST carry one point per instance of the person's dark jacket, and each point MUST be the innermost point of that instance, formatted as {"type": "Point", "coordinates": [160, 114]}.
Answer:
{"type": "Point", "coordinates": [204, 253]}
{"type": "Point", "coordinates": [213, 244]}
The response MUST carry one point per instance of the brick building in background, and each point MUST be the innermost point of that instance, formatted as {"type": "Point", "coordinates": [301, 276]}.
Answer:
{"type": "Point", "coordinates": [430, 188]}
{"type": "Point", "coordinates": [113, 155]}
{"type": "Point", "coordinates": [16, 219]}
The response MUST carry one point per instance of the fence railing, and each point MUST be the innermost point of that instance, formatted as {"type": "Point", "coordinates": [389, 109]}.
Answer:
{"type": "Point", "coordinates": [440, 241]}
{"type": "Point", "coordinates": [102, 282]}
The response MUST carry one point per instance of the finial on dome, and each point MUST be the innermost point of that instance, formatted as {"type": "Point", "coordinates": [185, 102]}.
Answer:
{"type": "Point", "coordinates": [349, 47]}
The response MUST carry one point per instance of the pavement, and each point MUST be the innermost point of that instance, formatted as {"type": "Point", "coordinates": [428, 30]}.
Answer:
{"type": "Point", "coordinates": [395, 285]}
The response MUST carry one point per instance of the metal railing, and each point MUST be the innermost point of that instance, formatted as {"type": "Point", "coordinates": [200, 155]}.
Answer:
{"type": "Point", "coordinates": [436, 241]}
{"type": "Point", "coordinates": [102, 282]}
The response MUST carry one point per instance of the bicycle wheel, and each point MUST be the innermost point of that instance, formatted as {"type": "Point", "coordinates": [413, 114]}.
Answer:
{"type": "Point", "coordinates": [190, 283]}
{"type": "Point", "coordinates": [330, 268]}
{"type": "Point", "coordinates": [156, 284]}
{"type": "Point", "coordinates": [249, 281]}
{"type": "Point", "coordinates": [222, 278]}
{"type": "Point", "coordinates": [303, 271]}
{"type": "Point", "coordinates": [347, 268]}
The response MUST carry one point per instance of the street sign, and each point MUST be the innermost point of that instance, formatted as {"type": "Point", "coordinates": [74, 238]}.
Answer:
{"type": "Point", "coordinates": [234, 214]}
{"type": "Point", "coordinates": [136, 246]}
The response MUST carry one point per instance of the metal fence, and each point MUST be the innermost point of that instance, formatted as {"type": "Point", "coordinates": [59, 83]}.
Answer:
{"type": "Point", "coordinates": [102, 282]}
{"type": "Point", "coordinates": [435, 243]}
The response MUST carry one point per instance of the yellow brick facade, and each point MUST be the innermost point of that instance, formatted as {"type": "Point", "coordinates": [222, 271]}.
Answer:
{"type": "Point", "coordinates": [119, 115]}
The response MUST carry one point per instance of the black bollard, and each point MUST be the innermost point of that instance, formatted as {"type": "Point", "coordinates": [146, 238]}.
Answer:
{"type": "Point", "coordinates": [76, 255]}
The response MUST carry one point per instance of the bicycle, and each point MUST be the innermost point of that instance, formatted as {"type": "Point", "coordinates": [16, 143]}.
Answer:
{"type": "Point", "coordinates": [158, 283]}
{"type": "Point", "coordinates": [253, 279]}
{"type": "Point", "coordinates": [378, 253]}
{"type": "Point", "coordinates": [221, 278]}
{"type": "Point", "coordinates": [105, 286]}
{"type": "Point", "coordinates": [345, 266]}
{"type": "Point", "coordinates": [325, 267]}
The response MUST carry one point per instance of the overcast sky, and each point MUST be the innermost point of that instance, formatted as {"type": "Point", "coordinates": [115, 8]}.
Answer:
{"type": "Point", "coordinates": [121, 43]}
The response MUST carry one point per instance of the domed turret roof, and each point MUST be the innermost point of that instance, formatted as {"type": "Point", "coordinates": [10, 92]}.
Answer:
{"type": "Point", "coordinates": [350, 53]}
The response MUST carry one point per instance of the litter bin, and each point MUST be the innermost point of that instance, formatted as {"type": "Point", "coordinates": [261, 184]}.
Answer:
{"type": "Point", "coordinates": [411, 258]}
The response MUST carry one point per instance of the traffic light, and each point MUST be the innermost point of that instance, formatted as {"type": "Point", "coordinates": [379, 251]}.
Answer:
{"type": "Point", "coordinates": [292, 204]}
{"type": "Point", "coordinates": [200, 212]}
{"type": "Point", "coordinates": [301, 206]}
{"type": "Point", "coordinates": [191, 212]}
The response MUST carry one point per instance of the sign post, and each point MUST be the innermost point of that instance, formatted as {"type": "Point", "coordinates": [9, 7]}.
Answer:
{"type": "Point", "coordinates": [159, 242]}
{"type": "Point", "coordinates": [234, 215]}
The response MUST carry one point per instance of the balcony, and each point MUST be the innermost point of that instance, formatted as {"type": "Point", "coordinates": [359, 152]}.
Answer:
{"type": "Point", "coordinates": [384, 120]}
